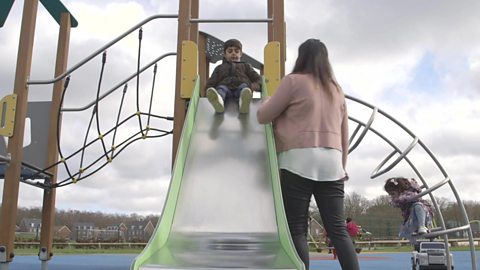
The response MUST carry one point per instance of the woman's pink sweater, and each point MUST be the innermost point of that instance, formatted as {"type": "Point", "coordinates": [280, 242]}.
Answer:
{"type": "Point", "coordinates": [304, 115]}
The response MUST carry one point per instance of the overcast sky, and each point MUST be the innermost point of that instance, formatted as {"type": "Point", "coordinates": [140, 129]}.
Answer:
{"type": "Point", "coordinates": [418, 61]}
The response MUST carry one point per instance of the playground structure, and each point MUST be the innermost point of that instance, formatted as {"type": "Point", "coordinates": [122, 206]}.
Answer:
{"type": "Point", "coordinates": [171, 245]}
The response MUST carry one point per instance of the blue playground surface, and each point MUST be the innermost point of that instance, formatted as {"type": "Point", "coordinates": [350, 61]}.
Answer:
{"type": "Point", "coordinates": [368, 261]}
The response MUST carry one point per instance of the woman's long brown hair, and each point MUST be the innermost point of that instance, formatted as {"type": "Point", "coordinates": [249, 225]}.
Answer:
{"type": "Point", "coordinates": [313, 59]}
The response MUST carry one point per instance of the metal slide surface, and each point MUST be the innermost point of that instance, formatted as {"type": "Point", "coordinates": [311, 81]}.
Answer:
{"type": "Point", "coordinates": [225, 213]}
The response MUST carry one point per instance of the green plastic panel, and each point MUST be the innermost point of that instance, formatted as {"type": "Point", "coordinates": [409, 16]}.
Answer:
{"type": "Point", "coordinates": [56, 8]}
{"type": "Point", "coordinates": [5, 7]}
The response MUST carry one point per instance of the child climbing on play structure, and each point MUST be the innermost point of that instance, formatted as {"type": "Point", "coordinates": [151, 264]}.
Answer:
{"type": "Point", "coordinates": [417, 213]}
{"type": "Point", "coordinates": [232, 79]}
{"type": "Point", "coordinates": [352, 228]}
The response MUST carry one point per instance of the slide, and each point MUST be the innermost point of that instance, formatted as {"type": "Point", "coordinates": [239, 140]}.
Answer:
{"type": "Point", "coordinates": [224, 207]}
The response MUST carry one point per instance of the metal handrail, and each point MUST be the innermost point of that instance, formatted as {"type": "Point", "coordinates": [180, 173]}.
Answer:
{"type": "Point", "coordinates": [5, 159]}
{"type": "Point", "coordinates": [101, 50]}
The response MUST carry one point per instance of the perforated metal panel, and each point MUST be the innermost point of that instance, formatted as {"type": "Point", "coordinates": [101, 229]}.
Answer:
{"type": "Point", "coordinates": [214, 51]}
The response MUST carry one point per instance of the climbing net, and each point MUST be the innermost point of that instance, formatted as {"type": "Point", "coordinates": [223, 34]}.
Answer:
{"type": "Point", "coordinates": [115, 134]}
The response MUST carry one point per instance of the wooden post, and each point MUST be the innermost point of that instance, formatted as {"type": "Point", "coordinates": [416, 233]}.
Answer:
{"type": "Point", "coordinates": [187, 9]}
{"type": "Point", "coordinates": [194, 36]}
{"type": "Point", "coordinates": [48, 210]}
{"type": "Point", "coordinates": [180, 104]}
{"type": "Point", "coordinates": [270, 24]}
{"type": "Point", "coordinates": [194, 12]}
{"type": "Point", "coordinates": [277, 28]}
{"type": "Point", "coordinates": [8, 212]}
{"type": "Point", "coordinates": [203, 63]}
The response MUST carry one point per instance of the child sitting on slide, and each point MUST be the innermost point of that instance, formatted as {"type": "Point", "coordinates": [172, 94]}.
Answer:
{"type": "Point", "coordinates": [232, 79]}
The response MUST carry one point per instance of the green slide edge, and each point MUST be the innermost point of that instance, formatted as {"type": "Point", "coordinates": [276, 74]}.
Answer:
{"type": "Point", "coordinates": [159, 238]}
{"type": "Point", "coordinates": [283, 231]}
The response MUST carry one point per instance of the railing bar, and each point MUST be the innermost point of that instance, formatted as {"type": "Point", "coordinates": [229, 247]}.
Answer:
{"type": "Point", "coordinates": [99, 51]}
{"type": "Point", "coordinates": [433, 188]}
{"type": "Point", "coordinates": [231, 20]}
{"type": "Point", "coordinates": [5, 159]}
{"type": "Point", "coordinates": [444, 232]}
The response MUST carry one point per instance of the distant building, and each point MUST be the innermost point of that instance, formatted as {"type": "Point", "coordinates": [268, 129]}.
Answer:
{"type": "Point", "coordinates": [121, 232]}
{"type": "Point", "coordinates": [316, 230]}
{"type": "Point", "coordinates": [62, 233]}
{"type": "Point", "coordinates": [83, 232]}
{"type": "Point", "coordinates": [140, 231]}
{"type": "Point", "coordinates": [109, 234]}
{"type": "Point", "coordinates": [31, 225]}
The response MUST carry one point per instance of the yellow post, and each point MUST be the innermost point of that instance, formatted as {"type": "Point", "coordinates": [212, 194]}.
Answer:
{"type": "Point", "coordinates": [277, 29]}
{"type": "Point", "coordinates": [8, 106]}
{"type": "Point", "coordinates": [8, 211]}
{"type": "Point", "coordinates": [271, 66]}
{"type": "Point", "coordinates": [189, 68]}
{"type": "Point", "coordinates": [187, 9]}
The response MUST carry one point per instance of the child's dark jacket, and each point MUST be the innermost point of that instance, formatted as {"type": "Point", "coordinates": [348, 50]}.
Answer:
{"type": "Point", "coordinates": [233, 74]}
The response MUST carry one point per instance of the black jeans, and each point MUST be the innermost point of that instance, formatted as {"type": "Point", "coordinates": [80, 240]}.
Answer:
{"type": "Point", "coordinates": [329, 195]}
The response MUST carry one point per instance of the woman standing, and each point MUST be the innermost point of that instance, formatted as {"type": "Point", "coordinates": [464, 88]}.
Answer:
{"type": "Point", "coordinates": [310, 123]}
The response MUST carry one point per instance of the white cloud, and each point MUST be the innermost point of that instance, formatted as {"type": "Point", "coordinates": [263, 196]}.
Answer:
{"type": "Point", "coordinates": [102, 20]}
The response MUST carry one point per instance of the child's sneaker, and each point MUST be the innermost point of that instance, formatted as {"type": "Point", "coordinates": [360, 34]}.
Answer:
{"type": "Point", "coordinates": [215, 99]}
{"type": "Point", "coordinates": [422, 230]}
{"type": "Point", "coordinates": [245, 99]}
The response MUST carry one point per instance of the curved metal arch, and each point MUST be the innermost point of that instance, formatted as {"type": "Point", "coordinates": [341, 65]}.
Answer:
{"type": "Point", "coordinates": [364, 132]}
{"type": "Point", "coordinates": [443, 230]}
{"type": "Point", "coordinates": [377, 172]}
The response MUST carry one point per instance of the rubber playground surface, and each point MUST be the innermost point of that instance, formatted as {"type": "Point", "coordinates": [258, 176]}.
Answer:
{"type": "Point", "coordinates": [368, 261]}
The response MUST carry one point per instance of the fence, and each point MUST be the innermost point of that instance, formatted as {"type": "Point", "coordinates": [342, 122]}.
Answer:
{"type": "Point", "coordinates": [373, 244]}
{"type": "Point", "coordinates": [84, 245]}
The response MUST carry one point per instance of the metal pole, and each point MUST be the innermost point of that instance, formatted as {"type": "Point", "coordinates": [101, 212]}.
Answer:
{"type": "Point", "coordinates": [44, 265]}
{"type": "Point", "coordinates": [3, 266]}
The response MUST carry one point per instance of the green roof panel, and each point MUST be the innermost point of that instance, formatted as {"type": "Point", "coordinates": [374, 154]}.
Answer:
{"type": "Point", "coordinates": [5, 6]}
{"type": "Point", "coordinates": [56, 8]}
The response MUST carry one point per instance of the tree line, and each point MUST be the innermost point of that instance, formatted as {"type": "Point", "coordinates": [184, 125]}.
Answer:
{"type": "Point", "coordinates": [71, 217]}
{"type": "Point", "coordinates": [381, 219]}
{"type": "Point", "coordinates": [376, 215]}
